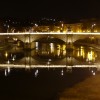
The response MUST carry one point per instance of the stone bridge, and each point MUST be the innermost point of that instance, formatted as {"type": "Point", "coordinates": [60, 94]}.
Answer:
{"type": "Point", "coordinates": [31, 37]}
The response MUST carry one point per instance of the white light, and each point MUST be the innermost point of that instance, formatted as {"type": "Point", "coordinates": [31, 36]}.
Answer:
{"type": "Point", "coordinates": [36, 25]}
{"type": "Point", "coordinates": [8, 62]}
{"type": "Point", "coordinates": [52, 47]}
{"type": "Point", "coordinates": [36, 73]}
{"type": "Point", "coordinates": [8, 70]}
{"type": "Point", "coordinates": [50, 33]}
{"type": "Point", "coordinates": [62, 25]}
{"type": "Point", "coordinates": [8, 26]}
{"type": "Point", "coordinates": [37, 44]}
{"type": "Point", "coordinates": [5, 72]}
{"type": "Point", "coordinates": [13, 59]}
{"type": "Point", "coordinates": [62, 72]}
{"type": "Point", "coordinates": [93, 73]}
{"type": "Point", "coordinates": [49, 60]}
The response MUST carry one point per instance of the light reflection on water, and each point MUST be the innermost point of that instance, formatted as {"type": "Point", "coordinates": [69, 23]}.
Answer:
{"type": "Point", "coordinates": [52, 55]}
{"type": "Point", "coordinates": [46, 83]}
{"type": "Point", "coordinates": [59, 71]}
{"type": "Point", "coordinates": [36, 82]}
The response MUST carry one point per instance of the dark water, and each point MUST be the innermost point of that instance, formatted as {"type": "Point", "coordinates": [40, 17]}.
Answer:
{"type": "Point", "coordinates": [22, 84]}
{"type": "Point", "coordinates": [44, 83]}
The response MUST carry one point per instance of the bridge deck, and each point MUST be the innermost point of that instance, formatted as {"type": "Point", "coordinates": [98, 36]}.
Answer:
{"type": "Point", "coordinates": [27, 33]}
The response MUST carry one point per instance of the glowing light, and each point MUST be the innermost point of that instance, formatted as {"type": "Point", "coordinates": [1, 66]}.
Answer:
{"type": "Point", "coordinates": [8, 69]}
{"type": "Point", "coordinates": [95, 31]}
{"type": "Point", "coordinates": [86, 33]}
{"type": "Point", "coordinates": [36, 73]}
{"type": "Point", "coordinates": [58, 47]}
{"type": "Point", "coordinates": [58, 50]}
{"type": "Point", "coordinates": [5, 72]}
{"type": "Point", "coordinates": [27, 66]}
{"type": "Point", "coordinates": [88, 30]}
{"type": "Point", "coordinates": [64, 49]}
{"type": "Point", "coordinates": [36, 25]}
{"type": "Point", "coordinates": [8, 26]}
{"type": "Point", "coordinates": [18, 43]}
{"type": "Point", "coordinates": [49, 60]}
{"type": "Point", "coordinates": [90, 55]}
{"type": "Point", "coordinates": [8, 62]}
{"type": "Point", "coordinates": [52, 47]}
{"type": "Point", "coordinates": [13, 59]}
{"type": "Point", "coordinates": [62, 24]}
{"type": "Point", "coordinates": [15, 39]}
{"type": "Point", "coordinates": [6, 54]}
{"type": "Point", "coordinates": [62, 72]}
{"type": "Point", "coordinates": [82, 53]}
{"type": "Point", "coordinates": [93, 73]}
{"type": "Point", "coordinates": [37, 45]}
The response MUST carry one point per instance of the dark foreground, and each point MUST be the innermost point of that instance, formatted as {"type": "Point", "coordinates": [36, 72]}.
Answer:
{"type": "Point", "coordinates": [86, 90]}
{"type": "Point", "coordinates": [22, 84]}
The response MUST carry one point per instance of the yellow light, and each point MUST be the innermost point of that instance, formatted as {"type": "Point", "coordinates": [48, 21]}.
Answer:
{"type": "Point", "coordinates": [64, 49]}
{"type": "Point", "coordinates": [82, 51]}
{"type": "Point", "coordinates": [18, 43]}
{"type": "Point", "coordinates": [90, 55]}
{"type": "Point", "coordinates": [62, 25]}
{"type": "Point", "coordinates": [88, 30]}
{"type": "Point", "coordinates": [6, 54]}
{"type": "Point", "coordinates": [52, 47]}
{"type": "Point", "coordinates": [78, 53]}
{"type": "Point", "coordinates": [58, 50]}
{"type": "Point", "coordinates": [95, 31]}
{"type": "Point", "coordinates": [58, 31]}
{"type": "Point", "coordinates": [58, 46]}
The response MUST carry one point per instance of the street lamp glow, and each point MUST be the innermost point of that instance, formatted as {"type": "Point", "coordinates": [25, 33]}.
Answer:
{"type": "Point", "coordinates": [36, 25]}
{"type": "Point", "coordinates": [6, 54]}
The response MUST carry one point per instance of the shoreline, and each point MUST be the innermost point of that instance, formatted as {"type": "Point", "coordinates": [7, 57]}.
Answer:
{"type": "Point", "coordinates": [86, 90]}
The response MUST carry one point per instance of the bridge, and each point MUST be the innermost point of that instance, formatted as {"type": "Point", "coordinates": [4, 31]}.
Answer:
{"type": "Point", "coordinates": [30, 38]}
{"type": "Point", "coordinates": [66, 37]}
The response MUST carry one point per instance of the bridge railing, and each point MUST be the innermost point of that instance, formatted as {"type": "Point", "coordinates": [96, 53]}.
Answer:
{"type": "Point", "coordinates": [50, 33]}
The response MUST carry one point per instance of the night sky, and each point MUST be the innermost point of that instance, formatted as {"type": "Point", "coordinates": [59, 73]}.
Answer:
{"type": "Point", "coordinates": [68, 9]}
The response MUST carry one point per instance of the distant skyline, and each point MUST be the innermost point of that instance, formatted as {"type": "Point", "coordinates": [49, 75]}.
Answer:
{"type": "Point", "coordinates": [68, 9]}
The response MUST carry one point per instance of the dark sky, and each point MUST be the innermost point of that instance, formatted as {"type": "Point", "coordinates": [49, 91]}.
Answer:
{"type": "Point", "coordinates": [71, 9]}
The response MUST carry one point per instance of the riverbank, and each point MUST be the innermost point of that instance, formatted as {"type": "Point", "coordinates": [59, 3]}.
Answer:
{"type": "Point", "coordinates": [89, 89]}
